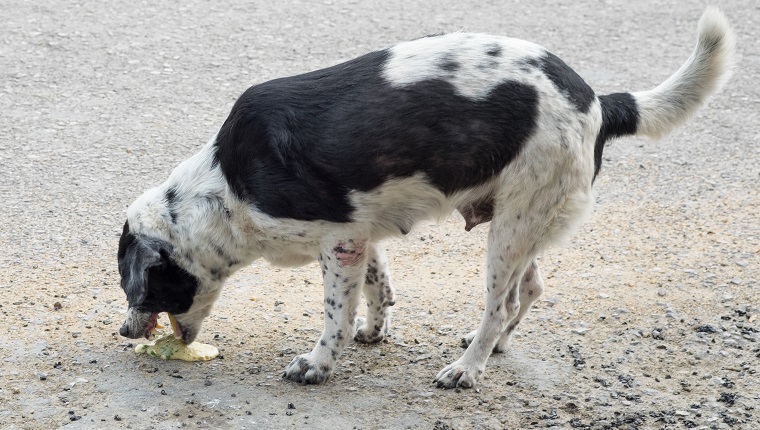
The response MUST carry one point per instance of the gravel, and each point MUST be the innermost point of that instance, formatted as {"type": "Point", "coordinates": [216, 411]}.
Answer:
{"type": "Point", "coordinates": [650, 315]}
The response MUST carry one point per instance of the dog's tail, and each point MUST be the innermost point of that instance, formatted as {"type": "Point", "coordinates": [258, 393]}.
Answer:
{"type": "Point", "coordinates": [656, 112]}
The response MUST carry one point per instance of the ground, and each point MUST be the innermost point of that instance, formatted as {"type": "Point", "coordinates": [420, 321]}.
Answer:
{"type": "Point", "coordinates": [650, 315]}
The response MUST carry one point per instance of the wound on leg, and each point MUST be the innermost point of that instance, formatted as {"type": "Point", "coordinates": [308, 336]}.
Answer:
{"type": "Point", "coordinates": [349, 253]}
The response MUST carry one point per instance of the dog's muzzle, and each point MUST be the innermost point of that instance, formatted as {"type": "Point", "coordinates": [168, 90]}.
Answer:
{"type": "Point", "coordinates": [138, 324]}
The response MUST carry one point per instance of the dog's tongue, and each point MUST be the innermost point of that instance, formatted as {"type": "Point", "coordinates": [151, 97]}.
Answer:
{"type": "Point", "coordinates": [176, 328]}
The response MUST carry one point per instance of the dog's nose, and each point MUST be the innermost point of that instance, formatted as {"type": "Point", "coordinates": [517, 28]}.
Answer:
{"type": "Point", "coordinates": [124, 330]}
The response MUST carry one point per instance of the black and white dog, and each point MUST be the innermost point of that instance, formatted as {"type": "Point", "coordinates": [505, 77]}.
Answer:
{"type": "Point", "coordinates": [327, 164]}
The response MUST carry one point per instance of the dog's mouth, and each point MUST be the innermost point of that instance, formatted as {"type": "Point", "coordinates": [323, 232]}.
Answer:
{"type": "Point", "coordinates": [152, 326]}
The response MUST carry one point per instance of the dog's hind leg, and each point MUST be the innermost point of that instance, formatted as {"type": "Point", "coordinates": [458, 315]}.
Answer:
{"type": "Point", "coordinates": [509, 257]}
{"type": "Point", "coordinates": [379, 295]}
{"type": "Point", "coordinates": [531, 287]}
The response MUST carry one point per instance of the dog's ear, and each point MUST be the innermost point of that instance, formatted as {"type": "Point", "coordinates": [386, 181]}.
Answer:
{"type": "Point", "coordinates": [136, 257]}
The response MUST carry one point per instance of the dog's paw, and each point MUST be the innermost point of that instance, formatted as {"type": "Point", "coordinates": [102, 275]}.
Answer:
{"type": "Point", "coordinates": [366, 334]}
{"type": "Point", "coordinates": [458, 374]}
{"type": "Point", "coordinates": [498, 349]}
{"type": "Point", "coordinates": [304, 371]}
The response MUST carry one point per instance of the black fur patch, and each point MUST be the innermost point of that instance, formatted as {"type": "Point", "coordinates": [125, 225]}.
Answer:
{"type": "Point", "coordinates": [448, 64]}
{"type": "Point", "coordinates": [494, 50]}
{"type": "Point", "coordinates": [296, 146]}
{"type": "Point", "coordinates": [171, 202]}
{"type": "Point", "coordinates": [572, 86]}
{"type": "Point", "coordinates": [620, 117]}
{"type": "Point", "coordinates": [152, 281]}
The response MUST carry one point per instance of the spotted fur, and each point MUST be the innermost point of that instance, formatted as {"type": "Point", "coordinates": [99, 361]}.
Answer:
{"type": "Point", "coordinates": [325, 165]}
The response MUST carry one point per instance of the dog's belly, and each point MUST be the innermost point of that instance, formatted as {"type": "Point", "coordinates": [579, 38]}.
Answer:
{"type": "Point", "coordinates": [285, 253]}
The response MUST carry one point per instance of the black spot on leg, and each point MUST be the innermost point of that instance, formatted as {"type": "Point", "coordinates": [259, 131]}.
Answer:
{"type": "Point", "coordinates": [330, 315]}
{"type": "Point", "coordinates": [498, 307]}
{"type": "Point", "coordinates": [530, 292]}
{"type": "Point", "coordinates": [528, 276]}
{"type": "Point", "coordinates": [322, 342]}
{"type": "Point", "coordinates": [216, 273]}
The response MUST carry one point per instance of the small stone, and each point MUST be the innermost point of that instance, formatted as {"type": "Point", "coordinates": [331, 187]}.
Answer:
{"type": "Point", "coordinates": [707, 328]}
{"type": "Point", "coordinates": [207, 382]}
{"type": "Point", "coordinates": [661, 292]}
{"type": "Point", "coordinates": [57, 306]}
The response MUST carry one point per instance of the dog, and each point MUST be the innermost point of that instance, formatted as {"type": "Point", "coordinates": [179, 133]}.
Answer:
{"type": "Point", "coordinates": [325, 165]}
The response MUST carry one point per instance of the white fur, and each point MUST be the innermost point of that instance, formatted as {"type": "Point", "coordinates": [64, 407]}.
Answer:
{"type": "Point", "coordinates": [418, 60]}
{"type": "Point", "coordinates": [707, 69]}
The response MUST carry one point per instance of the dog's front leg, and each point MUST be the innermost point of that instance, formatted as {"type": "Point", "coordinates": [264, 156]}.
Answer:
{"type": "Point", "coordinates": [344, 267]}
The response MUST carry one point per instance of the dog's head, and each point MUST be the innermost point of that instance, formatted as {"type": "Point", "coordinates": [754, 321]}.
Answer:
{"type": "Point", "coordinates": [154, 282]}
